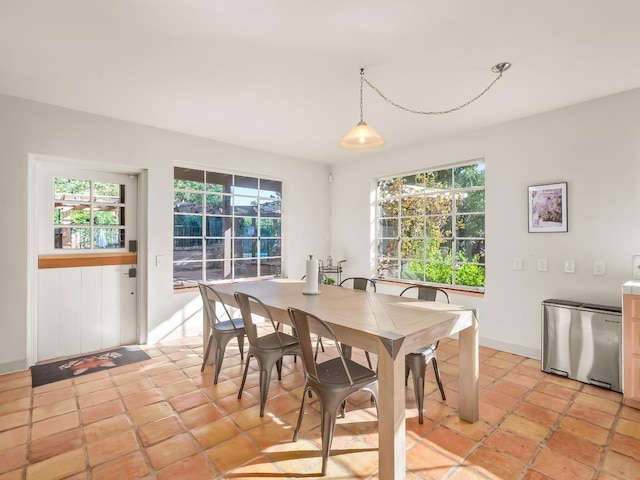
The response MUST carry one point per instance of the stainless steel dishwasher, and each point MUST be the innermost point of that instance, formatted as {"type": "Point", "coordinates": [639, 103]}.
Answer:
{"type": "Point", "coordinates": [583, 341]}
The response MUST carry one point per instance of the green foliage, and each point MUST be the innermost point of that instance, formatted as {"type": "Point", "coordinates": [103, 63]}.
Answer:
{"type": "Point", "coordinates": [69, 185]}
{"type": "Point", "coordinates": [470, 274]}
{"type": "Point", "coordinates": [329, 281]}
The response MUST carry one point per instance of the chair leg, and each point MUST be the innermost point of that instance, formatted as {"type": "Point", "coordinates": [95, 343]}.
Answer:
{"type": "Point", "coordinates": [244, 375]}
{"type": "Point", "coordinates": [206, 353]}
{"type": "Point", "coordinates": [319, 345]}
{"type": "Point", "coordinates": [300, 415]}
{"type": "Point", "coordinates": [327, 426]}
{"type": "Point", "coordinates": [419, 371]}
{"type": "Point", "coordinates": [419, 385]}
{"type": "Point", "coordinates": [241, 345]}
{"type": "Point", "coordinates": [219, 357]}
{"type": "Point", "coordinates": [368, 359]}
{"type": "Point", "coordinates": [346, 350]}
{"type": "Point", "coordinates": [437, 372]}
{"type": "Point", "coordinates": [265, 380]}
{"type": "Point", "coordinates": [294, 332]}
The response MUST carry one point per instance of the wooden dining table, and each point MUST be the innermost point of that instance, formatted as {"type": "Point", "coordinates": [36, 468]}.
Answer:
{"type": "Point", "coordinates": [388, 325]}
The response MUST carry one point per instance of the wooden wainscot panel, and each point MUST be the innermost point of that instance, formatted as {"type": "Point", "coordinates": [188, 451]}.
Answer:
{"type": "Point", "coordinates": [87, 260]}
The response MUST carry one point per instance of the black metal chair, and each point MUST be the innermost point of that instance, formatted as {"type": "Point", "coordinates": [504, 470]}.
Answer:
{"type": "Point", "coordinates": [268, 349]}
{"type": "Point", "coordinates": [359, 283]}
{"type": "Point", "coordinates": [332, 380]}
{"type": "Point", "coordinates": [416, 362]}
{"type": "Point", "coordinates": [220, 331]}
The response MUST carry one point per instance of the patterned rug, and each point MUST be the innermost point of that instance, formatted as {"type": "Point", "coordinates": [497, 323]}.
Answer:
{"type": "Point", "coordinates": [85, 364]}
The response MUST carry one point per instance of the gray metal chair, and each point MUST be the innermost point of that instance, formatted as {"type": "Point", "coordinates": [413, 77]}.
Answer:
{"type": "Point", "coordinates": [332, 380]}
{"type": "Point", "coordinates": [221, 331]}
{"type": "Point", "coordinates": [359, 283]}
{"type": "Point", "coordinates": [267, 349]}
{"type": "Point", "coordinates": [416, 362]}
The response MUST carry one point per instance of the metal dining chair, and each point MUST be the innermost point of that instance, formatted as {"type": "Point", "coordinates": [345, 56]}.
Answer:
{"type": "Point", "coordinates": [416, 362]}
{"type": "Point", "coordinates": [221, 331]}
{"type": "Point", "coordinates": [268, 349]}
{"type": "Point", "coordinates": [359, 283]}
{"type": "Point", "coordinates": [332, 380]}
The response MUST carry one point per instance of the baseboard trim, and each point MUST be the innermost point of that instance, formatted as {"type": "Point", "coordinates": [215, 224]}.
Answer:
{"type": "Point", "coordinates": [528, 352]}
{"type": "Point", "coordinates": [15, 366]}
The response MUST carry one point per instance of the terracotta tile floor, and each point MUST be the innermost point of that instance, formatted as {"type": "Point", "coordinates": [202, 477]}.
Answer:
{"type": "Point", "coordinates": [163, 419]}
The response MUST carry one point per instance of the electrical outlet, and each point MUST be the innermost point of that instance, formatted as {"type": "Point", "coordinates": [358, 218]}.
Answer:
{"type": "Point", "coordinates": [599, 268]}
{"type": "Point", "coordinates": [542, 264]}
{"type": "Point", "coordinates": [517, 263]}
{"type": "Point", "coordinates": [569, 266]}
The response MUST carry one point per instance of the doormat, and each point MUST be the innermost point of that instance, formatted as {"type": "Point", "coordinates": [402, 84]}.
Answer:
{"type": "Point", "coordinates": [85, 364]}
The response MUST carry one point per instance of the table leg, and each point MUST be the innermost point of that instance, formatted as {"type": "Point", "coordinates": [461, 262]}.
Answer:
{"type": "Point", "coordinates": [391, 413]}
{"type": "Point", "coordinates": [468, 408]}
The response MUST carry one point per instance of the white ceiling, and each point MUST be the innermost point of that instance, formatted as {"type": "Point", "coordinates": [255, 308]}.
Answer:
{"type": "Point", "coordinates": [283, 76]}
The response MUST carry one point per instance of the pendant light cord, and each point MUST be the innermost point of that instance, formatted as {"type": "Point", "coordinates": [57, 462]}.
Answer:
{"type": "Point", "coordinates": [361, 84]}
{"type": "Point", "coordinates": [499, 69]}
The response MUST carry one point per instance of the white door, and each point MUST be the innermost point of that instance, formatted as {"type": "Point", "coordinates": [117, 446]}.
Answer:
{"type": "Point", "coordinates": [87, 282]}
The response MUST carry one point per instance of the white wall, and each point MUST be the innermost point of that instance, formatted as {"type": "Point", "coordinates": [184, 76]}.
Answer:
{"type": "Point", "coordinates": [33, 128]}
{"type": "Point", "coordinates": [594, 146]}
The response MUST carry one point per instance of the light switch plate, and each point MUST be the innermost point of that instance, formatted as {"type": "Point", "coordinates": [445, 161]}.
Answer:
{"type": "Point", "coordinates": [569, 266]}
{"type": "Point", "coordinates": [542, 264]}
{"type": "Point", "coordinates": [599, 268]}
{"type": "Point", "coordinates": [517, 263]}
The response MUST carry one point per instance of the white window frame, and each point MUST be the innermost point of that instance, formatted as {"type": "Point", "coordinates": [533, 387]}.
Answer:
{"type": "Point", "coordinates": [393, 266]}
{"type": "Point", "coordinates": [229, 251]}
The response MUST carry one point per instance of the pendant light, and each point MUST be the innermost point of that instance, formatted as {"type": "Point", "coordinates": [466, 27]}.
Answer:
{"type": "Point", "coordinates": [363, 137]}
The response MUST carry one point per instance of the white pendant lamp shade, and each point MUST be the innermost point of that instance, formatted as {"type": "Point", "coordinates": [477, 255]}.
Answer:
{"type": "Point", "coordinates": [362, 137]}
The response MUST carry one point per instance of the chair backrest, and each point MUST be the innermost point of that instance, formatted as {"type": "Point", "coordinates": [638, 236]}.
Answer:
{"type": "Point", "coordinates": [360, 283]}
{"type": "Point", "coordinates": [209, 299]}
{"type": "Point", "coordinates": [250, 305]}
{"type": "Point", "coordinates": [428, 293]}
{"type": "Point", "coordinates": [305, 323]}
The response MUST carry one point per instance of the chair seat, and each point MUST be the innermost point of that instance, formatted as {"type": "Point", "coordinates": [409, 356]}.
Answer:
{"type": "Point", "coordinates": [428, 351]}
{"type": "Point", "coordinates": [332, 372]}
{"type": "Point", "coordinates": [271, 342]}
{"type": "Point", "coordinates": [229, 325]}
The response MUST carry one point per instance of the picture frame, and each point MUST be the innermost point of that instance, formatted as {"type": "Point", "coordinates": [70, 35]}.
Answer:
{"type": "Point", "coordinates": [548, 208]}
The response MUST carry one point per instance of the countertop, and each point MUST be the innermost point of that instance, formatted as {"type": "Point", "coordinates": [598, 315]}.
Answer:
{"type": "Point", "coordinates": [631, 287]}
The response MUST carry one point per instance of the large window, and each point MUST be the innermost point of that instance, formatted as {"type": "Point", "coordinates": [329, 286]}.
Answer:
{"type": "Point", "coordinates": [430, 226]}
{"type": "Point", "coordinates": [225, 227]}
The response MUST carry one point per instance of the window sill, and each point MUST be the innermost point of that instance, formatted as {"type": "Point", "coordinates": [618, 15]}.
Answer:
{"type": "Point", "coordinates": [194, 288]}
{"type": "Point", "coordinates": [456, 290]}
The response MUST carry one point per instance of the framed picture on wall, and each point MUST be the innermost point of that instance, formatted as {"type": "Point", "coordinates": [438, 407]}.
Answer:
{"type": "Point", "coordinates": [548, 208]}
